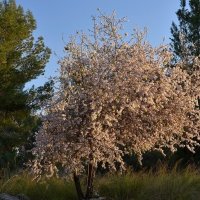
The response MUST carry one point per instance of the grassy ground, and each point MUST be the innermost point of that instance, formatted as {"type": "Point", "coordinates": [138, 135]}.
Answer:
{"type": "Point", "coordinates": [160, 185]}
{"type": "Point", "coordinates": [52, 189]}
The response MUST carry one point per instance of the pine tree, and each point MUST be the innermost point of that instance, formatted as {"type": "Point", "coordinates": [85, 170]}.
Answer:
{"type": "Point", "coordinates": [185, 41]}
{"type": "Point", "coordinates": [22, 59]}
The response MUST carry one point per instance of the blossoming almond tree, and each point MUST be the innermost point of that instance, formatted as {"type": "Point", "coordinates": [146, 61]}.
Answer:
{"type": "Point", "coordinates": [115, 97]}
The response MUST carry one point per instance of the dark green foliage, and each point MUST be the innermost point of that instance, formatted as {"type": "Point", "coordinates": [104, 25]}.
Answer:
{"type": "Point", "coordinates": [189, 28]}
{"type": "Point", "coordinates": [22, 59]}
{"type": "Point", "coordinates": [151, 160]}
{"type": "Point", "coordinates": [186, 49]}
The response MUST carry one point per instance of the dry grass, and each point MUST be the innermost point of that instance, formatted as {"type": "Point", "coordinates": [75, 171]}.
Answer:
{"type": "Point", "coordinates": [160, 185]}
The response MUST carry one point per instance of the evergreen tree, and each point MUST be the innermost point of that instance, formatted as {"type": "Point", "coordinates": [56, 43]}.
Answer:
{"type": "Point", "coordinates": [22, 59]}
{"type": "Point", "coordinates": [185, 41]}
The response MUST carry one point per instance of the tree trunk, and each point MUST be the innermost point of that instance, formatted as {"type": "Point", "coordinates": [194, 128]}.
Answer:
{"type": "Point", "coordinates": [89, 191]}
{"type": "Point", "coordinates": [78, 187]}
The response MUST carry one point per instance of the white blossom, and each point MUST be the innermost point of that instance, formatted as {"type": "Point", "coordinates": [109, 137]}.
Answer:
{"type": "Point", "coordinates": [115, 98]}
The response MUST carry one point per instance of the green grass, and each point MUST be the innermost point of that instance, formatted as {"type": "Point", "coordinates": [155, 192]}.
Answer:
{"type": "Point", "coordinates": [52, 189]}
{"type": "Point", "coordinates": [160, 185]}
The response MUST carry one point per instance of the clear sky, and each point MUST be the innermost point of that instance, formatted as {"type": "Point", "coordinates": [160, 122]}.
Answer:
{"type": "Point", "coordinates": [58, 19]}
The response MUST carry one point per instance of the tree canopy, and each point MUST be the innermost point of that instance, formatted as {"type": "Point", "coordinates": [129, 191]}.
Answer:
{"type": "Point", "coordinates": [22, 59]}
{"type": "Point", "coordinates": [185, 41]}
{"type": "Point", "coordinates": [116, 97]}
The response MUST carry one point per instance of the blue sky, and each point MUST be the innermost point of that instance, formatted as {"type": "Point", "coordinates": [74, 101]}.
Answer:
{"type": "Point", "coordinates": [57, 20]}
